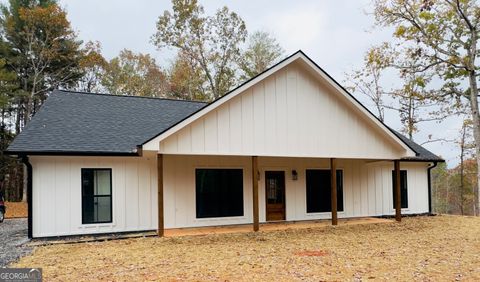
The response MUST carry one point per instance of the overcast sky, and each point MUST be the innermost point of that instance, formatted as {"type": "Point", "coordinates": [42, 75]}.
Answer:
{"type": "Point", "coordinates": [334, 33]}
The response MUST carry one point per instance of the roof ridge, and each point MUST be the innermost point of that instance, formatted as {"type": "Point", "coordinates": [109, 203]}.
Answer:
{"type": "Point", "coordinates": [127, 96]}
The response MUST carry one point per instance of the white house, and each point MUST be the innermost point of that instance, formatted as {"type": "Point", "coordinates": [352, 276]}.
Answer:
{"type": "Point", "coordinates": [264, 152]}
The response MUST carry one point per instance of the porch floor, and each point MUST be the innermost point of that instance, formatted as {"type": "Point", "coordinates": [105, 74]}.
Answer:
{"type": "Point", "coordinates": [271, 226]}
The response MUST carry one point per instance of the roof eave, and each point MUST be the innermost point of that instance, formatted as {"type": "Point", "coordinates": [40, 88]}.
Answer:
{"type": "Point", "coordinates": [422, 160]}
{"type": "Point", "coordinates": [73, 153]}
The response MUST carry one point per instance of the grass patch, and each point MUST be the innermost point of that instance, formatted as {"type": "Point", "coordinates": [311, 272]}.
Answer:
{"type": "Point", "coordinates": [420, 248]}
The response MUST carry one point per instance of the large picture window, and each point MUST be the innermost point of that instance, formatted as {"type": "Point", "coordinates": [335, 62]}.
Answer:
{"type": "Point", "coordinates": [319, 190]}
{"type": "Point", "coordinates": [96, 195]}
{"type": "Point", "coordinates": [403, 188]}
{"type": "Point", "coordinates": [219, 192]}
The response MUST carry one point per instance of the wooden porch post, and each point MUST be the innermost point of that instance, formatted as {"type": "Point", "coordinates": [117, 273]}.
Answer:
{"type": "Point", "coordinates": [256, 226]}
{"type": "Point", "coordinates": [398, 194]}
{"type": "Point", "coordinates": [333, 181]}
{"type": "Point", "coordinates": [160, 230]}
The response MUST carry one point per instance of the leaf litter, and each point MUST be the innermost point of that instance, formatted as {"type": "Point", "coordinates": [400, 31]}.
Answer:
{"type": "Point", "coordinates": [439, 248]}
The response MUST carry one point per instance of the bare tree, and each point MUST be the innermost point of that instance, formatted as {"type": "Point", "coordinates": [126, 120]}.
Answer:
{"type": "Point", "coordinates": [367, 80]}
{"type": "Point", "coordinates": [441, 36]}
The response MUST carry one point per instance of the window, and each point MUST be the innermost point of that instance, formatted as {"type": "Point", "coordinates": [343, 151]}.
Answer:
{"type": "Point", "coordinates": [403, 188]}
{"type": "Point", "coordinates": [219, 192]}
{"type": "Point", "coordinates": [319, 190]}
{"type": "Point", "coordinates": [96, 195]}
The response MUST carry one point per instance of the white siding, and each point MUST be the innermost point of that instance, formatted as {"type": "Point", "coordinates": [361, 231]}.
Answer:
{"type": "Point", "coordinates": [57, 198]}
{"type": "Point", "coordinates": [367, 188]}
{"type": "Point", "coordinates": [57, 191]}
{"type": "Point", "coordinates": [290, 113]}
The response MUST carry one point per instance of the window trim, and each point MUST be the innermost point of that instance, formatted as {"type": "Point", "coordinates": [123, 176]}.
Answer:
{"type": "Point", "coordinates": [237, 217]}
{"type": "Point", "coordinates": [111, 195]}
{"type": "Point", "coordinates": [312, 214]}
{"type": "Point", "coordinates": [392, 189]}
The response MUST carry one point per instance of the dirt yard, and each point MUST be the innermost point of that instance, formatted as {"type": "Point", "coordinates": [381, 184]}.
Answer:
{"type": "Point", "coordinates": [441, 248]}
{"type": "Point", "coordinates": [16, 209]}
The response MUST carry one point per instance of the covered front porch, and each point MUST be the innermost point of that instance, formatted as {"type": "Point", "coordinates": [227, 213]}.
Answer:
{"type": "Point", "coordinates": [361, 188]}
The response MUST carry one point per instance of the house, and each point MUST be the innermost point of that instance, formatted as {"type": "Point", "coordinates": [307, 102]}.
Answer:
{"type": "Point", "coordinates": [289, 144]}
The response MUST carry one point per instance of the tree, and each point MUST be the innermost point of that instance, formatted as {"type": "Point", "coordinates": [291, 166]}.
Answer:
{"type": "Point", "coordinates": [39, 45]}
{"type": "Point", "coordinates": [440, 37]}
{"type": "Point", "coordinates": [263, 51]}
{"type": "Point", "coordinates": [134, 74]}
{"type": "Point", "coordinates": [8, 166]}
{"type": "Point", "coordinates": [45, 52]}
{"type": "Point", "coordinates": [185, 80]}
{"type": "Point", "coordinates": [414, 104]}
{"type": "Point", "coordinates": [92, 65]}
{"type": "Point", "coordinates": [440, 188]}
{"type": "Point", "coordinates": [367, 80]}
{"type": "Point", "coordinates": [211, 43]}
{"type": "Point", "coordinates": [7, 89]}
{"type": "Point", "coordinates": [465, 150]}
{"type": "Point", "coordinates": [412, 100]}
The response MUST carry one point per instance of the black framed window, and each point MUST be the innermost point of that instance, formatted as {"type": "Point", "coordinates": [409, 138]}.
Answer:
{"type": "Point", "coordinates": [96, 195]}
{"type": "Point", "coordinates": [319, 190]}
{"type": "Point", "coordinates": [219, 192]}
{"type": "Point", "coordinates": [403, 188]}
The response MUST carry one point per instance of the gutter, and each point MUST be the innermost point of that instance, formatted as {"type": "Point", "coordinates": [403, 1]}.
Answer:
{"type": "Point", "coordinates": [29, 193]}
{"type": "Point", "coordinates": [430, 187]}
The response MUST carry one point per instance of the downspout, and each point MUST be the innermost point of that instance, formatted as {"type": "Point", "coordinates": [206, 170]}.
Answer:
{"type": "Point", "coordinates": [430, 187]}
{"type": "Point", "coordinates": [29, 193]}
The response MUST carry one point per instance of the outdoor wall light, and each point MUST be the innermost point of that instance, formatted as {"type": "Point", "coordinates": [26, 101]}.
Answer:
{"type": "Point", "coordinates": [294, 175]}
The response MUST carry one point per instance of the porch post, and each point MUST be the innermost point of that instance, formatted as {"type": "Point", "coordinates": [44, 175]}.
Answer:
{"type": "Point", "coordinates": [160, 230]}
{"type": "Point", "coordinates": [398, 194]}
{"type": "Point", "coordinates": [255, 193]}
{"type": "Point", "coordinates": [333, 181]}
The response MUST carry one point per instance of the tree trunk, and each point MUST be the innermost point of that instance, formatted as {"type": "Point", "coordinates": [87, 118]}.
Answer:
{"type": "Point", "coordinates": [18, 118]}
{"type": "Point", "coordinates": [462, 170]}
{"type": "Point", "coordinates": [476, 128]}
{"type": "Point", "coordinates": [28, 109]}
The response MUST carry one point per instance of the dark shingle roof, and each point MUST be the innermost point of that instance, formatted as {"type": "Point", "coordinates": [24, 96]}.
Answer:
{"type": "Point", "coordinates": [422, 153]}
{"type": "Point", "coordinates": [98, 123]}
{"type": "Point", "coordinates": [89, 123]}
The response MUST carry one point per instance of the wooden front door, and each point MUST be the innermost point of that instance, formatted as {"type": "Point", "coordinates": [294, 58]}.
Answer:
{"type": "Point", "coordinates": [275, 195]}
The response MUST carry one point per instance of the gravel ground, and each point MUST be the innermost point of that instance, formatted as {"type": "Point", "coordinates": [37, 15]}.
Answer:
{"type": "Point", "coordinates": [13, 236]}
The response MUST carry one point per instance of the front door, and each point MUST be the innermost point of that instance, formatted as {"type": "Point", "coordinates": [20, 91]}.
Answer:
{"type": "Point", "coordinates": [275, 195]}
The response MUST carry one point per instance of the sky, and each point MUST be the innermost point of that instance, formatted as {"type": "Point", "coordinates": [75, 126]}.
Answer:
{"type": "Point", "coordinates": [334, 33]}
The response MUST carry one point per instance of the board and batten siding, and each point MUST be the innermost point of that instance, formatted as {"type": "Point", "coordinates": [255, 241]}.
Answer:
{"type": "Point", "coordinates": [290, 114]}
{"type": "Point", "coordinates": [57, 194]}
{"type": "Point", "coordinates": [367, 188]}
{"type": "Point", "coordinates": [57, 198]}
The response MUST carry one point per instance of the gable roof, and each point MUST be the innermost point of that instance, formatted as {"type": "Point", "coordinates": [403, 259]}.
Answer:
{"type": "Point", "coordinates": [78, 123]}
{"type": "Point", "coordinates": [88, 123]}
{"type": "Point", "coordinates": [312, 66]}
